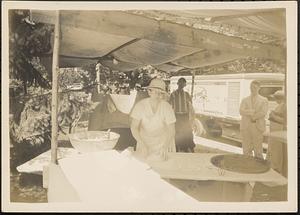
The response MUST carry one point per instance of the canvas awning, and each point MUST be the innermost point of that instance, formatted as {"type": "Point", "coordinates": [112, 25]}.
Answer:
{"type": "Point", "coordinates": [264, 25]}
{"type": "Point", "coordinates": [126, 40]}
{"type": "Point", "coordinates": [80, 42]}
{"type": "Point", "coordinates": [149, 52]}
{"type": "Point", "coordinates": [169, 67]}
{"type": "Point", "coordinates": [271, 23]}
{"type": "Point", "coordinates": [206, 58]}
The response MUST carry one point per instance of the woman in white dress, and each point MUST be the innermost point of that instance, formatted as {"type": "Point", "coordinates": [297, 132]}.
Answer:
{"type": "Point", "coordinates": [153, 123]}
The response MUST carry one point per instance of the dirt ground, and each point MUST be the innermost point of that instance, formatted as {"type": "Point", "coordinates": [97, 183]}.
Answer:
{"type": "Point", "coordinates": [27, 188]}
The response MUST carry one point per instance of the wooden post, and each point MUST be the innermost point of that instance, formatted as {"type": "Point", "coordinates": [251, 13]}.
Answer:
{"type": "Point", "coordinates": [193, 80]}
{"type": "Point", "coordinates": [98, 76]}
{"type": "Point", "coordinates": [55, 69]}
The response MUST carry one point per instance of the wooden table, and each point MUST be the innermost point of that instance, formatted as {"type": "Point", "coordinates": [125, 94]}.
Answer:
{"type": "Point", "coordinates": [191, 173]}
{"type": "Point", "coordinates": [207, 182]}
{"type": "Point", "coordinates": [190, 176]}
{"type": "Point", "coordinates": [279, 135]}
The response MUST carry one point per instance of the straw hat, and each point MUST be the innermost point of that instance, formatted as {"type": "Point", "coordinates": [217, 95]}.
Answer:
{"type": "Point", "coordinates": [157, 84]}
{"type": "Point", "coordinates": [278, 94]}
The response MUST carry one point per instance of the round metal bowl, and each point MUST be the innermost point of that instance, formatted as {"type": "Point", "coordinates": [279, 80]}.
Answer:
{"type": "Point", "coordinates": [92, 141]}
{"type": "Point", "coordinates": [240, 163]}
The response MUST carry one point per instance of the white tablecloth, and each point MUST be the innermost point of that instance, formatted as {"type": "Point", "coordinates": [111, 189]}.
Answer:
{"type": "Point", "coordinates": [124, 103]}
{"type": "Point", "coordinates": [117, 182]}
{"type": "Point", "coordinates": [36, 165]}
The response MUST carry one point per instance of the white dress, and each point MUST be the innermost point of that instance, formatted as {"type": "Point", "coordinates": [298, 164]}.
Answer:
{"type": "Point", "coordinates": [153, 126]}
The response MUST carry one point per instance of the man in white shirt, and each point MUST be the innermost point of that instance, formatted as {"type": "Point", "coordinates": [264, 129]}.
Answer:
{"type": "Point", "coordinates": [253, 110]}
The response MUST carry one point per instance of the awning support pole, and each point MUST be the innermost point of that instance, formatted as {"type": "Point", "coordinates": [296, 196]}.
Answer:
{"type": "Point", "coordinates": [54, 103]}
{"type": "Point", "coordinates": [98, 77]}
{"type": "Point", "coordinates": [193, 81]}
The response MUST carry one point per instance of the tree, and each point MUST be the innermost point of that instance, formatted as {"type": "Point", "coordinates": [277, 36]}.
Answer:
{"type": "Point", "coordinates": [27, 42]}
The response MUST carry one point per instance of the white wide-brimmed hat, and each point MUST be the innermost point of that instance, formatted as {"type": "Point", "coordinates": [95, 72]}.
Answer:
{"type": "Point", "coordinates": [157, 84]}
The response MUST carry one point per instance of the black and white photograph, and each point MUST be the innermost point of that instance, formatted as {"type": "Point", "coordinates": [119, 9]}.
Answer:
{"type": "Point", "coordinates": [149, 106]}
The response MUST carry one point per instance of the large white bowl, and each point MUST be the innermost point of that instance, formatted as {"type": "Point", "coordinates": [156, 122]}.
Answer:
{"type": "Point", "coordinates": [93, 141]}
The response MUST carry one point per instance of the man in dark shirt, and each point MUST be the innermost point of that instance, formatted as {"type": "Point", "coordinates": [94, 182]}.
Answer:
{"type": "Point", "coordinates": [181, 102]}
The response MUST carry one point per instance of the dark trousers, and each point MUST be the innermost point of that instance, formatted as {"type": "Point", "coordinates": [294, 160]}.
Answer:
{"type": "Point", "coordinates": [184, 134]}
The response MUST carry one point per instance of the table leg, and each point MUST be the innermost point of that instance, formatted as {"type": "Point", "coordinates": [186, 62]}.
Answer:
{"type": "Point", "coordinates": [235, 191]}
{"type": "Point", "coordinates": [215, 191]}
{"type": "Point", "coordinates": [59, 188]}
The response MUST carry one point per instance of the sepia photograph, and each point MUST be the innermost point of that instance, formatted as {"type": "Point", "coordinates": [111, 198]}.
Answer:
{"type": "Point", "coordinates": [149, 106]}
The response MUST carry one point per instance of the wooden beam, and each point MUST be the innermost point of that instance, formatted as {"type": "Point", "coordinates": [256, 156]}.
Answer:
{"type": "Point", "coordinates": [54, 102]}
{"type": "Point", "coordinates": [138, 26]}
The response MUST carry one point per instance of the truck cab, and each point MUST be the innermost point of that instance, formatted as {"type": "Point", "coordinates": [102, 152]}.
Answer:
{"type": "Point", "coordinates": [217, 98]}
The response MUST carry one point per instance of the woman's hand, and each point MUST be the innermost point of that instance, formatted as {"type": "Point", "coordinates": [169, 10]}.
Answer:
{"type": "Point", "coordinates": [164, 148]}
{"type": "Point", "coordinates": [164, 151]}
{"type": "Point", "coordinates": [167, 146]}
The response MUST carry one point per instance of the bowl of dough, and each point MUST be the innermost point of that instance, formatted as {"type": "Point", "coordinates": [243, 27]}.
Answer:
{"type": "Point", "coordinates": [93, 141]}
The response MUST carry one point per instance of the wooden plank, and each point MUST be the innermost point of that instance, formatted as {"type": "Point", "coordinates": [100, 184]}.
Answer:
{"type": "Point", "coordinates": [197, 166]}
{"type": "Point", "coordinates": [138, 26]}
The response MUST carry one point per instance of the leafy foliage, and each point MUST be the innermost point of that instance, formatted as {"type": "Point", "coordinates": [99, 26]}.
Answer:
{"type": "Point", "coordinates": [24, 144]}
{"type": "Point", "coordinates": [28, 41]}
{"type": "Point", "coordinates": [71, 108]}
{"type": "Point", "coordinates": [35, 120]}
{"type": "Point", "coordinates": [69, 76]}
{"type": "Point", "coordinates": [117, 81]}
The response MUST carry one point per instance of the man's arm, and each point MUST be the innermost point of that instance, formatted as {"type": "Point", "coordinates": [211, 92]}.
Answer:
{"type": "Point", "coordinates": [261, 112]}
{"type": "Point", "coordinates": [191, 110]}
{"type": "Point", "coordinates": [244, 111]}
{"type": "Point", "coordinates": [189, 97]}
